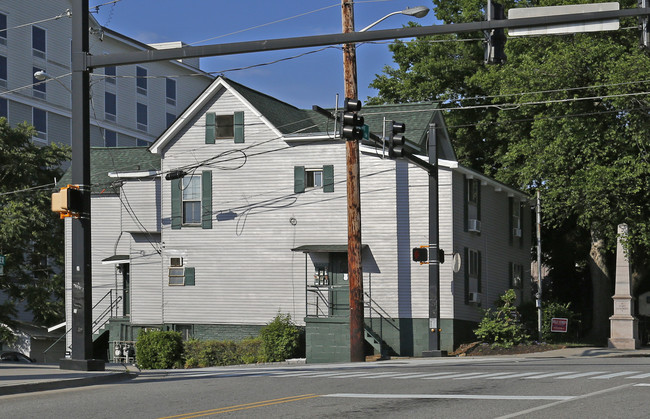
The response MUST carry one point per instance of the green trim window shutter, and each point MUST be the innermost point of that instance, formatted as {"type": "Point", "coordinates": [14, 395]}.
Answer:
{"type": "Point", "coordinates": [328, 178]}
{"type": "Point", "coordinates": [238, 121]}
{"type": "Point", "coordinates": [189, 277]}
{"type": "Point", "coordinates": [298, 179]}
{"type": "Point", "coordinates": [210, 127]}
{"type": "Point", "coordinates": [465, 203]}
{"type": "Point", "coordinates": [206, 199]}
{"type": "Point", "coordinates": [511, 225]}
{"type": "Point", "coordinates": [479, 279]}
{"type": "Point", "coordinates": [466, 291]}
{"type": "Point", "coordinates": [177, 204]}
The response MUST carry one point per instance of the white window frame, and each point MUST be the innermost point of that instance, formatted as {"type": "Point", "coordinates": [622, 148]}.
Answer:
{"type": "Point", "coordinates": [188, 182]}
{"type": "Point", "coordinates": [313, 178]}
{"type": "Point", "coordinates": [176, 276]}
{"type": "Point", "coordinates": [39, 88]}
{"type": "Point", "coordinates": [110, 78]}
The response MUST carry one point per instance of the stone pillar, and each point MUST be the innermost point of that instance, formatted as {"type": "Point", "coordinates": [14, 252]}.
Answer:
{"type": "Point", "coordinates": [623, 325]}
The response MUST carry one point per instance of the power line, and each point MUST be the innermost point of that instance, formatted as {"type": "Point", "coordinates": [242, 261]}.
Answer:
{"type": "Point", "coordinates": [67, 13]}
{"type": "Point", "coordinates": [48, 185]}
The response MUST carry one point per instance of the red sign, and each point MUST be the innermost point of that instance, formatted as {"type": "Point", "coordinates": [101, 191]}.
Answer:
{"type": "Point", "coordinates": [559, 324]}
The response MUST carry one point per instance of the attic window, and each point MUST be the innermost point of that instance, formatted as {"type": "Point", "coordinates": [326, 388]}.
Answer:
{"type": "Point", "coordinates": [224, 126]}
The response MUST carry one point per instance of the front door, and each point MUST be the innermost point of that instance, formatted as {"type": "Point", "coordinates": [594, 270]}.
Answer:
{"type": "Point", "coordinates": [340, 291]}
{"type": "Point", "coordinates": [126, 287]}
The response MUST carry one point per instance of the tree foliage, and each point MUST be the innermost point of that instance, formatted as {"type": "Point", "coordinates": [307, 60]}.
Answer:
{"type": "Point", "coordinates": [502, 326]}
{"type": "Point", "coordinates": [31, 236]}
{"type": "Point", "coordinates": [566, 114]}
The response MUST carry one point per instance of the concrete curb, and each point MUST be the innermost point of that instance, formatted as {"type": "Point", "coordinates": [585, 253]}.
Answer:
{"type": "Point", "coordinates": [65, 384]}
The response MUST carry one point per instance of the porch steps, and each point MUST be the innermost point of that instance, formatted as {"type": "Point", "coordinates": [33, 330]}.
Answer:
{"type": "Point", "coordinates": [381, 347]}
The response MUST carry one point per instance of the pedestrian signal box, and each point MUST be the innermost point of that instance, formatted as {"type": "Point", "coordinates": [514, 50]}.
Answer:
{"type": "Point", "coordinates": [420, 254]}
{"type": "Point", "coordinates": [68, 201]}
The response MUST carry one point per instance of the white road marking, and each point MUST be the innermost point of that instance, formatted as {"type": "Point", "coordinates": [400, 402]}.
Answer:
{"type": "Point", "coordinates": [641, 384]}
{"type": "Point", "coordinates": [640, 376]}
{"type": "Point", "coordinates": [466, 374]}
{"type": "Point", "coordinates": [445, 396]}
{"type": "Point", "coordinates": [616, 374]}
{"type": "Point", "coordinates": [421, 375]}
{"type": "Point", "coordinates": [551, 374]}
{"type": "Point", "coordinates": [505, 377]}
{"type": "Point", "coordinates": [583, 374]}
{"type": "Point", "coordinates": [494, 374]}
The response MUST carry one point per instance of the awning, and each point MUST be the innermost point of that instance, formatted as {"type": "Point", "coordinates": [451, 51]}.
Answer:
{"type": "Point", "coordinates": [115, 260]}
{"type": "Point", "coordinates": [325, 248]}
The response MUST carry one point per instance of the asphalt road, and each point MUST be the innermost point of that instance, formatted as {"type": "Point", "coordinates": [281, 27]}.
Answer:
{"type": "Point", "coordinates": [439, 388]}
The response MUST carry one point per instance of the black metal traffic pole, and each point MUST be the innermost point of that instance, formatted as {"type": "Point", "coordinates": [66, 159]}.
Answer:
{"type": "Point", "coordinates": [81, 334]}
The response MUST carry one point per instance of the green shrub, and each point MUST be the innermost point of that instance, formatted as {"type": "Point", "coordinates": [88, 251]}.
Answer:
{"type": "Point", "coordinates": [502, 327]}
{"type": "Point", "coordinates": [280, 339]}
{"type": "Point", "coordinates": [159, 350]}
{"type": "Point", "coordinates": [553, 309]}
{"type": "Point", "coordinates": [210, 353]}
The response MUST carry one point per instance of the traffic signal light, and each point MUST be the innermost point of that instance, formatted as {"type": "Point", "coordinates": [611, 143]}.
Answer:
{"type": "Point", "coordinates": [420, 254]}
{"type": "Point", "coordinates": [396, 139]}
{"type": "Point", "coordinates": [496, 38]}
{"type": "Point", "coordinates": [68, 201]}
{"type": "Point", "coordinates": [352, 122]}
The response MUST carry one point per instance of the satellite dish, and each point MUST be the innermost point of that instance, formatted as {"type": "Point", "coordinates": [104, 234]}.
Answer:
{"type": "Point", "coordinates": [457, 262]}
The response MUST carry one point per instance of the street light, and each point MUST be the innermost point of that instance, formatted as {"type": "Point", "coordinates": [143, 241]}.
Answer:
{"type": "Point", "coordinates": [41, 75]}
{"type": "Point", "coordinates": [418, 11]}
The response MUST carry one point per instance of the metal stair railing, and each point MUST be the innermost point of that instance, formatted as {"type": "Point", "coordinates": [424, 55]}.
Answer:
{"type": "Point", "coordinates": [108, 311]}
{"type": "Point", "coordinates": [372, 305]}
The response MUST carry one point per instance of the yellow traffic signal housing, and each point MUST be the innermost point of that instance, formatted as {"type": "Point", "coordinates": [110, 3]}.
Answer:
{"type": "Point", "coordinates": [67, 202]}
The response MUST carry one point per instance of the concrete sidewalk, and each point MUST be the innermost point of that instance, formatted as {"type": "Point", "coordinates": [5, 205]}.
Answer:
{"type": "Point", "coordinates": [16, 378]}
{"type": "Point", "coordinates": [589, 352]}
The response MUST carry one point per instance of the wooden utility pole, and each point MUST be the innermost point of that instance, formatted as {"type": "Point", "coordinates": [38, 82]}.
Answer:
{"type": "Point", "coordinates": [355, 274]}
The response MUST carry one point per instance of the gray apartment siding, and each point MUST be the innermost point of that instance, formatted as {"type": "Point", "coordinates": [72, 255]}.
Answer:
{"type": "Point", "coordinates": [146, 279]}
{"type": "Point", "coordinates": [140, 212]}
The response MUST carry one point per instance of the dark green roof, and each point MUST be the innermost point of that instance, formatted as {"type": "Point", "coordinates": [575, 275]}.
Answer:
{"type": "Point", "coordinates": [104, 160]}
{"type": "Point", "coordinates": [286, 118]}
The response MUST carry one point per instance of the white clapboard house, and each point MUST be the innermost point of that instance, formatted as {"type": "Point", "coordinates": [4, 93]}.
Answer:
{"type": "Point", "coordinates": [237, 212]}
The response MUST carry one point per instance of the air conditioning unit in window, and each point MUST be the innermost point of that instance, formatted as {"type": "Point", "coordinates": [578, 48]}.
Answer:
{"type": "Point", "coordinates": [474, 297]}
{"type": "Point", "coordinates": [474, 225]}
{"type": "Point", "coordinates": [516, 232]}
{"type": "Point", "coordinates": [176, 262]}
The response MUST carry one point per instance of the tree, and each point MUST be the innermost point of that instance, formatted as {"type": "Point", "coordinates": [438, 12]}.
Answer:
{"type": "Point", "coordinates": [31, 235]}
{"type": "Point", "coordinates": [566, 114]}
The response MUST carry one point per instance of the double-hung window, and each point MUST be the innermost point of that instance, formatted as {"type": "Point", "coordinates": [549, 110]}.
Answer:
{"type": "Point", "coordinates": [38, 42]}
{"type": "Point", "coordinates": [39, 87]}
{"type": "Point", "coordinates": [170, 89]}
{"type": "Point", "coordinates": [4, 107]}
{"type": "Point", "coordinates": [142, 116]}
{"type": "Point", "coordinates": [3, 71]}
{"type": "Point", "coordinates": [110, 106]}
{"type": "Point", "coordinates": [110, 138]}
{"type": "Point", "coordinates": [515, 216]}
{"type": "Point", "coordinates": [472, 205]}
{"type": "Point", "coordinates": [308, 178]}
{"type": "Point", "coordinates": [191, 198]}
{"type": "Point", "coordinates": [111, 74]}
{"type": "Point", "coordinates": [39, 121]}
{"type": "Point", "coordinates": [179, 274]}
{"type": "Point", "coordinates": [3, 29]}
{"type": "Point", "coordinates": [516, 275]}
{"type": "Point", "coordinates": [473, 281]}
{"type": "Point", "coordinates": [141, 80]}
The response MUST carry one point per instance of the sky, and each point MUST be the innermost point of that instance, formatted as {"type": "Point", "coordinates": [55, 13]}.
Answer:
{"type": "Point", "coordinates": [313, 79]}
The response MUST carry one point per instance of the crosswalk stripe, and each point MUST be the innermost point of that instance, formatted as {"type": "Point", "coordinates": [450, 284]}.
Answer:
{"type": "Point", "coordinates": [494, 374]}
{"type": "Point", "coordinates": [616, 374]}
{"type": "Point", "coordinates": [551, 374]}
{"type": "Point", "coordinates": [421, 375]}
{"type": "Point", "coordinates": [647, 375]}
{"type": "Point", "coordinates": [505, 377]}
{"type": "Point", "coordinates": [452, 376]}
{"type": "Point", "coordinates": [382, 375]}
{"type": "Point", "coordinates": [584, 374]}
